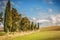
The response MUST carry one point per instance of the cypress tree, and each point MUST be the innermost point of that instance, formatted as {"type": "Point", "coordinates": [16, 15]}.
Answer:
{"type": "Point", "coordinates": [32, 26]}
{"type": "Point", "coordinates": [8, 18]}
{"type": "Point", "coordinates": [38, 25]}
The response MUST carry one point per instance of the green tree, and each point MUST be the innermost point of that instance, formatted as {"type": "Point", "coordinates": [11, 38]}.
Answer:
{"type": "Point", "coordinates": [38, 25]}
{"type": "Point", "coordinates": [16, 19]}
{"type": "Point", "coordinates": [32, 26]}
{"type": "Point", "coordinates": [1, 18]}
{"type": "Point", "coordinates": [8, 18]}
{"type": "Point", "coordinates": [1, 14]}
{"type": "Point", "coordinates": [35, 27]}
{"type": "Point", "coordinates": [25, 24]}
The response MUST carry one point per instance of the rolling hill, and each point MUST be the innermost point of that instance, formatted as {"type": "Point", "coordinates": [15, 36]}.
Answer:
{"type": "Point", "coordinates": [51, 28]}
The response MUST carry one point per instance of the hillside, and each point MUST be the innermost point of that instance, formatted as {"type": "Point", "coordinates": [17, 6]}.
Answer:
{"type": "Point", "coordinates": [47, 35]}
{"type": "Point", "coordinates": [51, 28]}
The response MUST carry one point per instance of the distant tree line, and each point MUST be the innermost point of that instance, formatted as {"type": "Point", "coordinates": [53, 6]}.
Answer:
{"type": "Point", "coordinates": [13, 21]}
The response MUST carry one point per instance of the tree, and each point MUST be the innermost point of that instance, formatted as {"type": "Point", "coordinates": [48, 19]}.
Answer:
{"type": "Point", "coordinates": [1, 19]}
{"type": "Point", "coordinates": [35, 27]}
{"type": "Point", "coordinates": [32, 26]}
{"type": "Point", "coordinates": [38, 25]}
{"type": "Point", "coordinates": [25, 24]}
{"type": "Point", "coordinates": [1, 14]}
{"type": "Point", "coordinates": [16, 19]}
{"type": "Point", "coordinates": [8, 18]}
{"type": "Point", "coordinates": [13, 21]}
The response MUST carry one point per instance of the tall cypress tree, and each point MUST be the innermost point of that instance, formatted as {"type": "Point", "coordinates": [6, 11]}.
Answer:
{"type": "Point", "coordinates": [38, 25]}
{"type": "Point", "coordinates": [1, 19]}
{"type": "Point", "coordinates": [32, 26]}
{"type": "Point", "coordinates": [8, 18]}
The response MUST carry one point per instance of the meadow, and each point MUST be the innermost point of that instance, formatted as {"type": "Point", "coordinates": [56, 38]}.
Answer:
{"type": "Point", "coordinates": [46, 35]}
{"type": "Point", "coordinates": [2, 33]}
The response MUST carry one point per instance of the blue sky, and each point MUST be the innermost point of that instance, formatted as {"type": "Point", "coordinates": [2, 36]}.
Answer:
{"type": "Point", "coordinates": [42, 11]}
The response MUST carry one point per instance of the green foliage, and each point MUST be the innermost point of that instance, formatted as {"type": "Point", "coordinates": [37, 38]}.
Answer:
{"type": "Point", "coordinates": [16, 19]}
{"type": "Point", "coordinates": [1, 19]}
{"type": "Point", "coordinates": [1, 15]}
{"type": "Point", "coordinates": [13, 21]}
{"type": "Point", "coordinates": [35, 27]}
{"type": "Point", "coordinates": [8, 18]}
{"type": "Point", "coordinates": [38, 25]}
{"type": "Point", "coordinates": [32, 26]}
{"type": "Point", "coordinates": [25, 24]}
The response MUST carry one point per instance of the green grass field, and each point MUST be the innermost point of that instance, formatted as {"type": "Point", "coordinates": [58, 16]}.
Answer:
{"type": "Point", "coordinates": [2, 33]}
{"type": "Point", "coordinates": [46, 35]}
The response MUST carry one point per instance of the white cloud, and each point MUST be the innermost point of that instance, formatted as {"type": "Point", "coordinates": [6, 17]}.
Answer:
{"type": "Point", "coordinates": [35, 8]}
{"type": "Point", "coordinates": [0, 3]}
{"type": "Point", "coordinates": [42, 21]}
{"type": "Point", "coordinates": [1, 24]}
{"type": "Point", "coordinates": [34, 18]}
{"type": "Point", "coordinates": [50, 2]}
{"type": "Point", "coordinates": [12, 3]}
{"type": "Point", "coordinates": [15, 4]}
{"type": "Point", "coordinates": [50, 10]}
{"type": "Point", "coordinates": [4, 2]}
{"type": "Point", "coordinates": [58, 17]}
{"type": "Point", "coordinates": [55, 19]}
{"type": "Point", "coordinates": [3, 7]}
{"type": "Point", "coordinates": [43, 15]}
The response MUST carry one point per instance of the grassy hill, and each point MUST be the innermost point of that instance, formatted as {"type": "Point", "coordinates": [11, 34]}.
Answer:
{"type": "Point", "coordinates": [51, 28]}
{"type": "Point", "coordinates": [47, 35]}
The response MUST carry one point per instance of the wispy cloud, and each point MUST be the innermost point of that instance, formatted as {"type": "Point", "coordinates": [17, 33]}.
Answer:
{"type": "Point", "coordinates": [42, 20]}
{"type": "Point", "coordinates": [33, 18]}
{"type": "Point", "coordinates": [15, 4]}
{"type": "Point", "coordinates": [12, 3]}
{"type": "Point", "coordinates": [35, 8]}
{"type": "Point", "coordinates": [0, 3]}
{"type": "Point", "coordinates": [52, 20]}
{"type": "Point", "coordinates": [50, 1]}
{"type": "Point", "coordinates": [50, 10]}
{"type": "Point", "coordinates": [55, 19]}
{"type": "Point", "coordinates": [3, 5]}
{"type": "Point", "coordinates": [39, 20]}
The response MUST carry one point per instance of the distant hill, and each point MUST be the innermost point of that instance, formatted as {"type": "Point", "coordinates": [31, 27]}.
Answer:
{"type": "Point", "coordinates": [51, 28]}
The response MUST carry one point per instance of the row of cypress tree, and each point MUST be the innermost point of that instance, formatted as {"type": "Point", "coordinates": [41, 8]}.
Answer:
{"type": "Point", "coordinates": [13, 21]}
